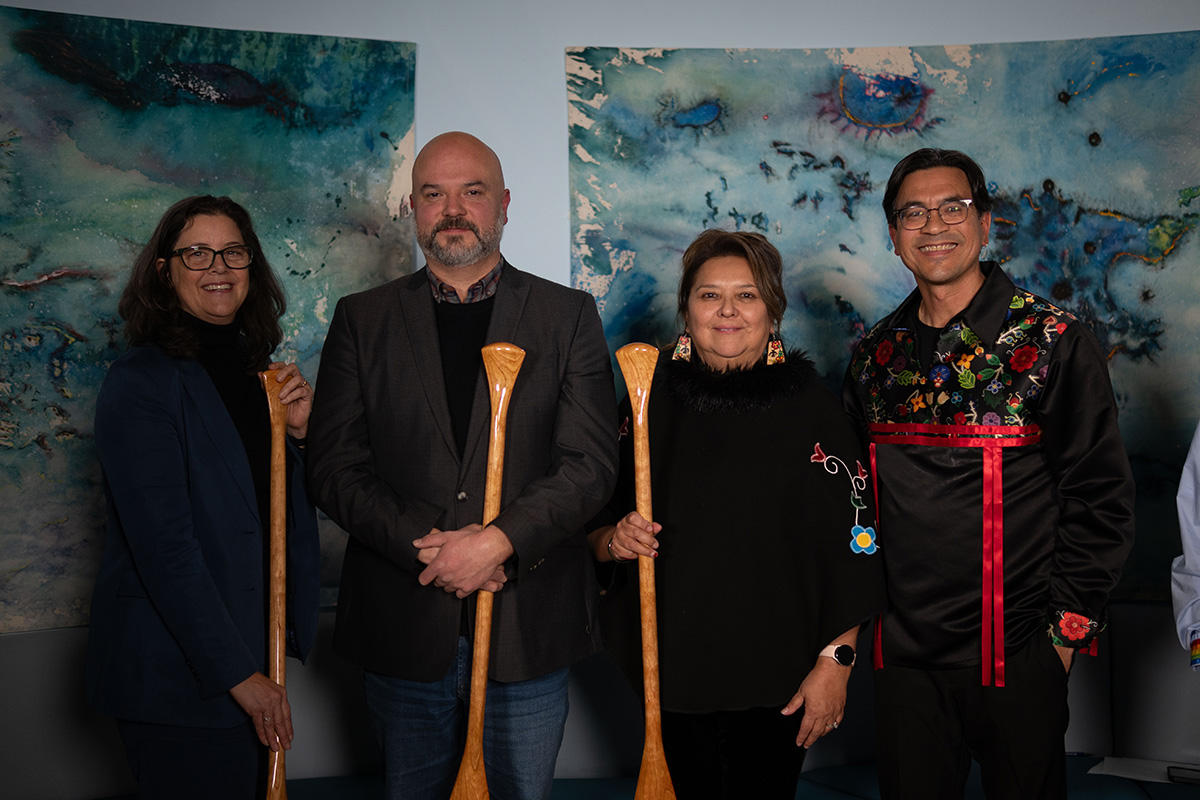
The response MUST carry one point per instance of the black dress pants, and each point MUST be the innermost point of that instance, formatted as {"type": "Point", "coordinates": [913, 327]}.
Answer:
{"type": "Point", "coordinates": [195, 763]}
{"type": "Point", "coordinates": [929, 724]}
{"type": "Point", "coordinates": [733, 755]}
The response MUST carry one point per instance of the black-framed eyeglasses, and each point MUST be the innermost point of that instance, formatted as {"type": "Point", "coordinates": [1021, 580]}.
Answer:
{"type": "Point", "coordinates": [951, 212]}
{"type": "Point", "coordinates": [199, 258]}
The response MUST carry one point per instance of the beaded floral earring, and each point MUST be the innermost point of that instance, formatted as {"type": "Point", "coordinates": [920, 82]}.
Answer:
{"type": "Point", "coordinates": [775, 350]}
{"type": "Point", "coordinates": [683, 347]}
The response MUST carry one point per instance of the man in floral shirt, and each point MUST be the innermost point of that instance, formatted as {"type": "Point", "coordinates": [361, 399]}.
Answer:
{"type": "Point", "coordinates": [1004, 494]}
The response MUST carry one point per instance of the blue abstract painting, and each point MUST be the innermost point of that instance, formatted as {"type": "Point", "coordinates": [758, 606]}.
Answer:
{"type": "Point", "coordinates": [1091, 148]}
{"type": "Point", "coordinates": [104, 123]}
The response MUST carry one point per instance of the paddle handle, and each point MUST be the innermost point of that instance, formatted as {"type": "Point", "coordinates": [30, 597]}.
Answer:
{"type": "Point", "coordinates": [501, 362]}
{"type": "Point", "coordinates": [277, 566]}
{"type": "Point", "coordinates": [637, 363]}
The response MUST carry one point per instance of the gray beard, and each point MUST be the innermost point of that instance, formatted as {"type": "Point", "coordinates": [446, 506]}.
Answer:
{"type": "Point", "coordinates": [461, 253]}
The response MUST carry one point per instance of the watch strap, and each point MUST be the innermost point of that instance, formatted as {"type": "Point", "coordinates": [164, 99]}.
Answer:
{"type": "Point", "coordinates": [830, 651]}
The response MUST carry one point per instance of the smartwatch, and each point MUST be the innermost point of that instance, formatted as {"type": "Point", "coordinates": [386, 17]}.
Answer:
{"type": "Point", "coordinates": [841, 653]}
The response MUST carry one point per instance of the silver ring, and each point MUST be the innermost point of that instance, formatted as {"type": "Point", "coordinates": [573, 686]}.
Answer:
{"type": "Point", "coordinates": [266, 719]}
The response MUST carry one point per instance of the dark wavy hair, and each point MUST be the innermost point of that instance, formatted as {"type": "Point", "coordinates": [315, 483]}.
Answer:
{"type": "Point", "coordinates": [150, 305]}
{"type": "Point", "coordinates": [766, 265]}
{"type": "Point", "coordinates": [931, 157]}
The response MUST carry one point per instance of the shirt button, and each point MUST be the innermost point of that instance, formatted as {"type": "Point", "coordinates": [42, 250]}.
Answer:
{"type": "Point", "coordinates": [461, 496]}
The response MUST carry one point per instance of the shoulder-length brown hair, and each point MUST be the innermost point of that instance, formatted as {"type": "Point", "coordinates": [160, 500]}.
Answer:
{"type": "Point", "coordinates": [150, 305]}
{"type": "Point", "coordinates": [766, 265]}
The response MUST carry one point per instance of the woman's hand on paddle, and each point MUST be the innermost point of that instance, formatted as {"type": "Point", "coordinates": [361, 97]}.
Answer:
{"type": "Point", "coordinates": [633, 536]}
{"type": "Point", "coordinates": [267, 704]}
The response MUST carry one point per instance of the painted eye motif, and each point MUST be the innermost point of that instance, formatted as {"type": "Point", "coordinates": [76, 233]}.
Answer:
{"type": "Point", "coordinates": [700, 117]}
{"type": "Point", "coordinates": [873, 105]}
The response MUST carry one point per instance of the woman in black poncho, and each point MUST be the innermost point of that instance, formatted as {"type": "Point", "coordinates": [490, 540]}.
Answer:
{"type": "Point", "coordinates": [764, 542]}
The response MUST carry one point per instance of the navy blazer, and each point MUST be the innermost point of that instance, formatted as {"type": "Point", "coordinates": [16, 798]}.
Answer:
{"type": "Point", "coordinates": [384, 465]}
{"type": "Point", "coordinates": [179, 610]}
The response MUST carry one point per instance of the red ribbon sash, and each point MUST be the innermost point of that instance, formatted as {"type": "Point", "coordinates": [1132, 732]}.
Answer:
{"type": "Point", "coordinates": [991, 439]}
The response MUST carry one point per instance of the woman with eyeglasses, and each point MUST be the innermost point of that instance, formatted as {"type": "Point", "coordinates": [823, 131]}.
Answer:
{"type": "Point", "coordinates": [177, 649]}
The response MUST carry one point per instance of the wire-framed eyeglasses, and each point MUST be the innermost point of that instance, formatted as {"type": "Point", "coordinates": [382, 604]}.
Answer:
{"type": "Point", "coordinates": [951, 212]}
{"type": "Point", "coordinates": [199, 258]}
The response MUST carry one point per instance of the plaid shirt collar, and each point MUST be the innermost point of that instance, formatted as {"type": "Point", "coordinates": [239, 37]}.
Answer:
{"type": "Point", "coordinates": [482, 289]}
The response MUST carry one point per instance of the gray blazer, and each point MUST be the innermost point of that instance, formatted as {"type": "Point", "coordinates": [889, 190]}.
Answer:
{"type": "Point", "coordinates": [384, 466]}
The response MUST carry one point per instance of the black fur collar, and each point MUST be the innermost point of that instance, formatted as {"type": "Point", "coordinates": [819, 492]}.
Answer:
{"type": "Point", "coordinates": [754, 388]}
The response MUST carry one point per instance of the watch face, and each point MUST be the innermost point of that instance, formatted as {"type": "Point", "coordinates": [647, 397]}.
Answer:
{"type": "Point", "coordinates": [844, 655]}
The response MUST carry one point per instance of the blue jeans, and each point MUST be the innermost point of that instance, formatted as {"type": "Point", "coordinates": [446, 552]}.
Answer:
{"type": "Point", "coordinates": [421, 729]}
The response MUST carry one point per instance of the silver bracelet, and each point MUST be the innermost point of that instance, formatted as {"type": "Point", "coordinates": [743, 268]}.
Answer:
{"type": "Point", "coordinates": [613, 555]}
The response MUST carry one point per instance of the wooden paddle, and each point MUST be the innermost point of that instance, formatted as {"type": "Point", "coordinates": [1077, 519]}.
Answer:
{"type": "Point", "coordinates": [502, 362]}
{"type": "Point", "coordinates": [637, 365]}
{"type": "Point", "coordinates": [277, 568]}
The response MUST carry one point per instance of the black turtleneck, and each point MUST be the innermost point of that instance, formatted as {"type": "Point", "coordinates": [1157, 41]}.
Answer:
{"type": "Point", "coordinates": [223, 356]}
{"type": "Point", "coordinates": [462, 333]}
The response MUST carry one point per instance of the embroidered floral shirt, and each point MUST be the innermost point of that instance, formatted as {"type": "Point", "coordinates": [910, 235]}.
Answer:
{"type": "Point", "coordinates": [1007, 442]}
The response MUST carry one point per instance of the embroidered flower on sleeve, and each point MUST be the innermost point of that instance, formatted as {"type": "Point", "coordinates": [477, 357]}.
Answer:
{"type": "Point", "coordinates": [862, 540]}
{"type": "Point", "coordinates": [1023, 358]}
{"type": "Point", "coordinates": [1068, 629]}
{"type": "Point", "coordinates": [1073, 626]}
{"type": "Point", "coordinates": [991, 418]}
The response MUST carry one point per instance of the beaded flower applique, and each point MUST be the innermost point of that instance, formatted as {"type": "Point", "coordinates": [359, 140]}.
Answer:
{"type": "Point", "coordinates": [862, 539]}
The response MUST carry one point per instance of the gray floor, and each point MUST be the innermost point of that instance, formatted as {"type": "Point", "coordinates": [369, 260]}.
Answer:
{"type": "Point", "coordinates": [853, 782]}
